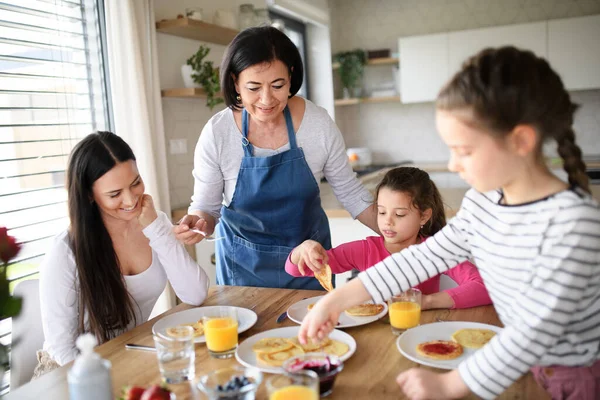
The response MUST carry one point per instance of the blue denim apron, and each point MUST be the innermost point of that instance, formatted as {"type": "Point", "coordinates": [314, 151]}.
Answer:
{"type": "Point", "coordinates": [276, 205]}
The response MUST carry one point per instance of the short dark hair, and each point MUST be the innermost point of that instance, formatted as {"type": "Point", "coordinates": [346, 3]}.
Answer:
{"type": "Point", "coordinates": [256, 46]}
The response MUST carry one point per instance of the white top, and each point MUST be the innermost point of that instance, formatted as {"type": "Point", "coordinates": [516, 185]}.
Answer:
{"type": "Point", "coordinates": [219, 154]}
{"type": "Point", "coordinates": [539, 262]}
{"type": "Point", "coordinates": [58, 286]}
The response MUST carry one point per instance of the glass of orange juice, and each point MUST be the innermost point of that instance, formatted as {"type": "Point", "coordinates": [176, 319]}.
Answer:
{"type": "Point", "coordinates": [300, 385]}
{"type": "Point", "coordinates": [405, 310]}
{"type": "Point", "coordinates": [221, 332]}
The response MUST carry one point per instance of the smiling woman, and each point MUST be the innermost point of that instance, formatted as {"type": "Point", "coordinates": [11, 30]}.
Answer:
{"type": "Point", "coordinates": [104, 274]}
{"type": "Point", "coordinates": [257, 165]}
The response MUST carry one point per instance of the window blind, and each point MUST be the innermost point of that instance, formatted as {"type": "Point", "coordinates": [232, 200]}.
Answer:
{"type": "Point", "coordinates": [53, 92]}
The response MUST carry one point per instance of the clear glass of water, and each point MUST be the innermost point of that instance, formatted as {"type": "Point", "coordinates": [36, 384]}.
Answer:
{"type": "Point", "coordinates": [176, 355]}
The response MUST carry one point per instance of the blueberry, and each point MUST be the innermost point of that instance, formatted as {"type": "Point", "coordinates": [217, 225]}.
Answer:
{"type": "Point", "coordinates": [219, 388]}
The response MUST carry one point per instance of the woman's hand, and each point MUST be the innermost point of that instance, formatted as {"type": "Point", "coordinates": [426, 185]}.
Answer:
{"type": "Point", "coordinates": [183, 231]}
{"type": "Point", "coordinates": [319, 321]}
{"type": "Point", "coordinates": [310, 254]}
{"type": "Point", "coordinates": [148, 213]}
{"type": "Point", "coordinates": [418, 383]}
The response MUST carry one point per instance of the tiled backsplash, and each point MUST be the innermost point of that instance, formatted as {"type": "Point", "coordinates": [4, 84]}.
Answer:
{"type": "Point", "coordinates": [396, 132]}
{"type": "Point", "coordinates": [184, 119]}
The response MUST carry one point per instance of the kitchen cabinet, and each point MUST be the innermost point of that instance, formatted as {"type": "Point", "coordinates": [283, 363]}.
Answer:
{"type": "Point", "coordinates": [464, 44]}
{"type": "Point", "coordinates": [570, 45]}
{"type": "Point", "coordinates": [574, 51]}
{"type": "Point", "coordinates": [424, 67]}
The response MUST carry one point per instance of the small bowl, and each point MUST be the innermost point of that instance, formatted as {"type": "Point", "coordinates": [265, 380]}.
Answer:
{"type": "Point", "coordinates": [325, 365]}
{"type": "Point", "coordinates": [209, 383]}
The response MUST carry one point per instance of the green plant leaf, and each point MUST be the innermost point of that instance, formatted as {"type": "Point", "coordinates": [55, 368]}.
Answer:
{"type": "Point", "coordinates": [206, 75]}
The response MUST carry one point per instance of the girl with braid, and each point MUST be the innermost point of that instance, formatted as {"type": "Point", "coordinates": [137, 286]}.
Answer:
{"type": "Point", "coordinates": [534, 238]}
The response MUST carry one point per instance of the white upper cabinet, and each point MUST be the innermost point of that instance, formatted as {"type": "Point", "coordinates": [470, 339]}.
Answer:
{"type": "Point", "coordinates": [574, 51]}
{"type": "Point", "coordinates": [423, 67]}
{"type": "Point", "coordinates": [465, 44]}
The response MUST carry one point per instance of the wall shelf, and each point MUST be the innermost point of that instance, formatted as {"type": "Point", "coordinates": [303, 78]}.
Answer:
{"type": "Point", "coordinates": [375, 61]}
{"type": "Point", "coordinates": [186, 92]}
{"type": "Point", "coordinates": [198, 30]}
{"type": "Point", "coordinates": [349, 102]}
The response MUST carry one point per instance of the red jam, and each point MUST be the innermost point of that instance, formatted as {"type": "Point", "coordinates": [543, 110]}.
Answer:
{"type": "Point", "coordinates": [321, 367]}
{"type": "Point", "coordinates": [438, 348]}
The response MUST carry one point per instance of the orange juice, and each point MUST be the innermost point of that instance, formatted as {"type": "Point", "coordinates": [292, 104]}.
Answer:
{"type": "Point", "coordinates": [221, 333]}
{"type": "Point", "coordinates": [405, 314]}
{"type": "Point", "coordinates": [294, 392]}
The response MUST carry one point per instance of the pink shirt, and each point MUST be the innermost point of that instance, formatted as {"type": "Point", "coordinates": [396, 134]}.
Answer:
{"type": "Point", "coordinates": [362, 254]}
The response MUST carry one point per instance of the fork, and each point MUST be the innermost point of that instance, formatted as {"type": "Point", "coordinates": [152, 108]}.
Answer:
{"type": "Point", "coordinates": [206, 237]}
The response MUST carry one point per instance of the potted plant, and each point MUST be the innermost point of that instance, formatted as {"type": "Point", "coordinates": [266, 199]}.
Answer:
{"type": "Point", "coordinates": [352, 65]}
{"type": "Point", "coordinates": [199, 73]}
{"type": "Point", "coordinates": [9, 306]}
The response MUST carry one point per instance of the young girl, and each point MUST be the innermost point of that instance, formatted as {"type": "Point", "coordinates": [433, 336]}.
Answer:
{"type": "Point", "coordinates": [534, 238]}
{"type": "Point", "coordinates": [410, 209]}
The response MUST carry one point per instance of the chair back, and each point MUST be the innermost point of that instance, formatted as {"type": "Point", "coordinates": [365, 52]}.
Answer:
{"type": "Point", "coordinates": [27, 333]}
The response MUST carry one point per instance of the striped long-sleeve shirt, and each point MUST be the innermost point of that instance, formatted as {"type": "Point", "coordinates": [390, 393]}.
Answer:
{"type": "Point", "coordinates": [540, 262]}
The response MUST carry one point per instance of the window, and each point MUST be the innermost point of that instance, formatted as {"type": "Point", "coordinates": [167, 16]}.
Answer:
{"type": "Point", "coordinates": [53, 92]}
{"type": "Point", "coordinates": [296, 31]}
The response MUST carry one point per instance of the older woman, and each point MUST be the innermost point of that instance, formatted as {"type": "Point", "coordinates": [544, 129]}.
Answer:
{"type": "Point", "coordinates": [257, 164]}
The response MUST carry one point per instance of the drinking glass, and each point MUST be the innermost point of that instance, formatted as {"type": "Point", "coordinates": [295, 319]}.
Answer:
{"type": "Point", "coordinates": [176, 355]}
{"type": "Point", "coordinates": [301, 385]}
{"type": "Point", "coordinates": [405, 310]}
{"type": "Point", "coordinates": [221, 332]}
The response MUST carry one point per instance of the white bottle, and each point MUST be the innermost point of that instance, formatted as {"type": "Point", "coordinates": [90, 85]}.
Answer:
{"type": "Point", "coordinates": [89, 378]}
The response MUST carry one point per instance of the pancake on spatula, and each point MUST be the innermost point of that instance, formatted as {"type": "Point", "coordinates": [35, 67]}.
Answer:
{"type": "Point", "coordinates": [324, 277]}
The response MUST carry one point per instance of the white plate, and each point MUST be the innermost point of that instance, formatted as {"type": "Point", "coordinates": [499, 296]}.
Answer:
{"type": "Point", "coordinates": [408, 341]}
{"type": "Point", "coordinates": [298, 311]}
{"type": "Point", "coordinates": [245, 355]}
{"type": "Point", "coordinates": [246, 319]}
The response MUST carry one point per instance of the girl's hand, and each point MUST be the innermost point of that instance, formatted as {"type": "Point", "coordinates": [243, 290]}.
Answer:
{"type": "Point", "coordinates": [418, 383]}
{"type": "Point", "coordinates": [310, 254]}
{"type": "Point", "coordinates": [148, 213]}
{"type": "Point", "coordinates": [183, 231]}
{"type": "Point", "coordinates": [319, 321]}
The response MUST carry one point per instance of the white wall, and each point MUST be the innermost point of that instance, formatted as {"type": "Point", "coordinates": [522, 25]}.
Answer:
{"type": "Point", "coordinates": [398, 132]}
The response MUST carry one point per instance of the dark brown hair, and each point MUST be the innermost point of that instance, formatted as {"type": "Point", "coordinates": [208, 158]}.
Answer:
{"type": "Point", "coordinates": [506, 87]}
{"type": "Point", "coordinates": [424, 194]}
{"type": "Point", "coordinates": [102, 295]}
{"type": "Point", "coordinates": [254, 46]}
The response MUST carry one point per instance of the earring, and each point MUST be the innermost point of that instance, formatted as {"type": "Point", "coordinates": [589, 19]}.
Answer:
{"type": "Point", "coordinates": [422, 226]}
{"type": "Point", "coordinates": [238, 98]}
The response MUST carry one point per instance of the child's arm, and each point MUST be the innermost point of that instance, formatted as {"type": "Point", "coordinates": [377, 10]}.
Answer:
{"type": "Point", "coordinates": [343, 258]}
{"type": "Point", "coordinates": [397, 273]}
{"type": "Point", "coordinates": [471, 291]}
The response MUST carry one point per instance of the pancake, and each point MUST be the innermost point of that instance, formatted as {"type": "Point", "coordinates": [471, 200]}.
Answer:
{"type": "Point", "coordinates": [278, 358]}
{"type": "Point", "coordinates": [473, 338]}
{"type": "Point", "coordinates": [175, 332]}
{"type": "Point", "coordinates": [440, 349]}
{"type": "Point", "coordinates": [324, 277]}
{"type": "Point", "coordinates": [271, 345]}
{"type": "Point", "coordinates": [365, 310]}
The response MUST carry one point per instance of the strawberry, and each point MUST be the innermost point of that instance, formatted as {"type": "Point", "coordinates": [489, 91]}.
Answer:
{"type": "Point", "coordinates": [132, 393]}
{"type": "Point", "coordinates": [156, 392]}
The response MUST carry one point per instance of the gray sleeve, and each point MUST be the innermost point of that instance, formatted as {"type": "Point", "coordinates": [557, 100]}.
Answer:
{"type": "Point", "coordinates": [208, 178]}
{"type": "Point", "coordinates": [347, 188]}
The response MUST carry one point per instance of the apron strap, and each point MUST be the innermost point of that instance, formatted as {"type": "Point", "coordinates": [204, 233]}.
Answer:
{"type": "Point", "coordinates": [290, 127]}
{"type": "Point", "coordinates": [249, 150]}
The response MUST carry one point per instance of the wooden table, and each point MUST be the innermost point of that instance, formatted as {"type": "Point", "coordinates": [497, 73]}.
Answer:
{"type": "Point", "coordinates": [369, 374]}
